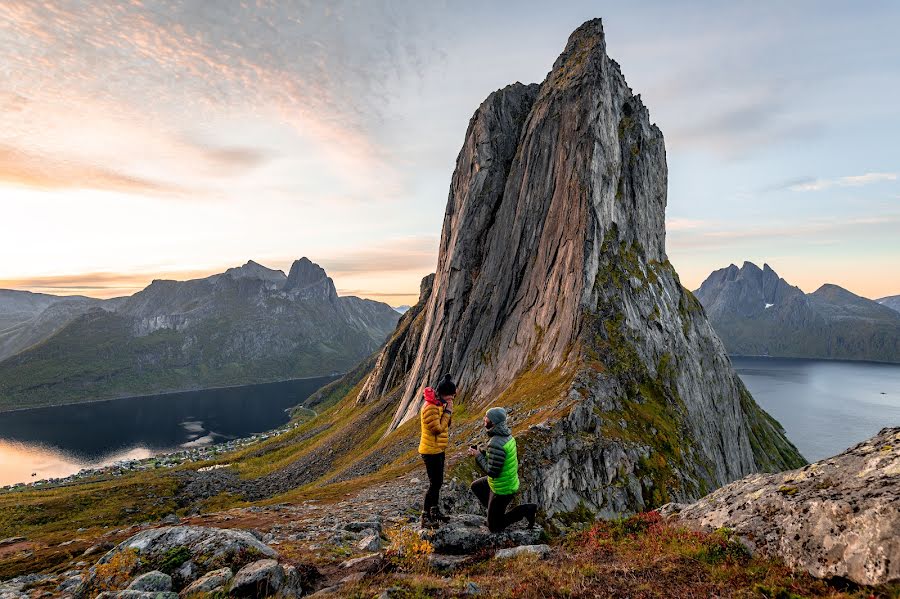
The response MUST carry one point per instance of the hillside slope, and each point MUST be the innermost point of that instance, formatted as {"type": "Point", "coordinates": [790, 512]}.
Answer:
{"type": "Point", "coordinates": [756, 312]}
{"type": "Point", "coordinates": [28, 318]}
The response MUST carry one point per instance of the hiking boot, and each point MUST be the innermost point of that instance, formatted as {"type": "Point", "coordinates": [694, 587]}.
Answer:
{"type": "Point", "coordinates": [439, 516]}
{"type": "Point", "coordinates": [427, 520]}
{"type": "Point", "coordinates": [531, 514]}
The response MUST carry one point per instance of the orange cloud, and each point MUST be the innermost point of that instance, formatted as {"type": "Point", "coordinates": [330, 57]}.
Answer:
{"type": "Point", "coordinates": [98, 284]}
{"type": "Point", "coordinates": [21, 168]}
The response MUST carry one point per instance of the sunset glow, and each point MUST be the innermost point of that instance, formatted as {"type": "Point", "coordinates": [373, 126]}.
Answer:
{"type": "Point", "coordinates": [173, 139]}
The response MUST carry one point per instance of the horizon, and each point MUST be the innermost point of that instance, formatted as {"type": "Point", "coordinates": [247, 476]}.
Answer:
{"type": "Point", "coordinates": [109, 292]}
{"type": "Point", "coordinates": [206, 135]}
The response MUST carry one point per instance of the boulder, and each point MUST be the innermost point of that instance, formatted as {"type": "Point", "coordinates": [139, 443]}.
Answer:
{"type": "Point", "coordinates": [834, 518]}
{"type": "Point", "coordinates": [369, 543]}
{"type": "Point", "coordinates": [541, 551]}
{"type": "Point", "coordinates": [366, 563]}
{"type": "Point", "coordinates": [299, 579]}
{"type": "Point", "coordinates": [131, 594]}
{"type": "Point", "coordinates": [259, 579]}
{"type": "Point", "coordinates": [447, 563]}
{"type": "Point", "coordinates": [468, 533]}
{"type": "Point", "coordinates": [151, 581]}
{"type": "Point", "coordinates": [206, 548]}
{"type": "Point", "coordinates": [363, 526]}
{"type": "Point", "coordinates": [209, 582]}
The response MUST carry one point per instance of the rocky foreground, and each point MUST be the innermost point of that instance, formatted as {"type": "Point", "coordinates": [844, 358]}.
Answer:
{"type": "Point", "coordinates": [796, 532]}
{"type": "Point", "coordinates": [836, 517]}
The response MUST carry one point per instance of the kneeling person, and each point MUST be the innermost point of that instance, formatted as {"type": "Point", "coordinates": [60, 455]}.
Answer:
{"type": "Point", "coordinates": [500, 462]}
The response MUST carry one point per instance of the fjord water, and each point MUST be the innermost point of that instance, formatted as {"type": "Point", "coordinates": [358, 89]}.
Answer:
{"type": "Point", "coordinates": [61, 440]}
{"type": "Point", "coordinates": [825, 406]}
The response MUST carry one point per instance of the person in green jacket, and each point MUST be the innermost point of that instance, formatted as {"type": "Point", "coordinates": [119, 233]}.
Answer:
{"type": "Point", "coordinates": [500, 462]}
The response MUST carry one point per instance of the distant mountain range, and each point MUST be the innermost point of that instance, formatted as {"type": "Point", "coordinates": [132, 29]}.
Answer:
{"type": "Point", "coordinates": [756, 312]}
{"type": "Point", "coordinates": [249, 324]}
{"type": "Point", "coordinates": [891, 301]}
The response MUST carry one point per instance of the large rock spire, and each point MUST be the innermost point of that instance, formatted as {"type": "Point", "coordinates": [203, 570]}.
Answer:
{"type": "Point", "coordinates": [552, 263]}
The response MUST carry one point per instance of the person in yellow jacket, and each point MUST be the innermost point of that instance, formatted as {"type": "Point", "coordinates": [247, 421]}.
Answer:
{"type": "Point", "coordinates": [435, 418]}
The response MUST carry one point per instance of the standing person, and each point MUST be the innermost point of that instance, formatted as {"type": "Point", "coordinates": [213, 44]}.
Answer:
{"type": "Point", "coordinates": [435, 416]}
{"type": "Point", "coordinates": [501, 464]}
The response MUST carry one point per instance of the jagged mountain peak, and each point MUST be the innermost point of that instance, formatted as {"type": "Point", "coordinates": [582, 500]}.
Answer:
{"type": "Point", "coordinates": [552, 280]}
{"type": "Point", "coordinates": [305, 273]}
{"type": "Point", "coordinates": [757, 312]}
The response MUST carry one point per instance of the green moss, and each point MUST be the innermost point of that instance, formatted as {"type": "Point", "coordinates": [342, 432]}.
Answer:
{"type": "Point", "coordinates": [652, 413]}
{"type": "Point", "coordinates": [173, 558]}
{"type": "Point", "coordinates": [580, 515]}
{"type": "Point", "coordinates": [788, 490]}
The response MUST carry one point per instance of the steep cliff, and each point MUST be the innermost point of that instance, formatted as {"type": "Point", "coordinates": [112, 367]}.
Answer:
{"type": "Point", "coordinates": [553, 296]}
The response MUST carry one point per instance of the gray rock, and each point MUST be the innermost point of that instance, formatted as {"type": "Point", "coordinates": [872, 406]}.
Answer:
{"type": "Point", "coordinates": [131, 594]}
{"type": "Point", "coordinates": [151, 581]}
{"type": "Point", "coordinates": [541, 551]}
{"type": "Point", "coordinates": [836, 517]}
{"type": "Point", "coordinates": [552, 275]}
{"type": "Point", "coordinates": [467, 533]}
{"type": "Point", "coordinates": [206, 546]}
{"type": "Point", "coordinates": [447, 563]}
{"type": "Point", "coordinates": [369, 563]}
{"type": "Point", "coordinates": [259, 579]}
{"type": "Point", "coordinates": [209, 582]}
{"type": "Point", "coordinates": [369, 543]}
{"type": "Point", "coordinates": [364, 526]}
{"type": "Point", "coordinates": [472, 589]}
{"type": "Point", "coordinates": [186, 573]}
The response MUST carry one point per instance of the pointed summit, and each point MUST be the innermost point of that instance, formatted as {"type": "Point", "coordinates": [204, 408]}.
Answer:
{"type": "Point", "coordinates": [307, 277]}
{"type": "Point", "coordinates": [553, 295]}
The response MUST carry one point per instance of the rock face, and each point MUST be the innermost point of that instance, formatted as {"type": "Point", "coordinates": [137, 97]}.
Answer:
{"type": "Point", "coordinates": [466, 534]}
{"type": "Point", "coordinates": [554, 297]}
{"type": "Point", "coordinates": [836, 517]}
{"type": "Point", "coordinates": [756, 312]}
{"type": "Point", "coordinates": [250, 324]}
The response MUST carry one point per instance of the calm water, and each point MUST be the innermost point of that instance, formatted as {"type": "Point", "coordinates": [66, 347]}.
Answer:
{"type": "Point", "coordinates": [59, 441]}
{"type": "Point", "coordinates": [825, 406]}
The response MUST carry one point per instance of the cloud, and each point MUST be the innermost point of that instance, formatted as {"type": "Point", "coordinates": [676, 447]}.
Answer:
{"type": "Point", "coordinates": [20, 168]}
{"type": "Point", "coordinates": [98, 284]}
{"type": "Point", "coordinates": [812, 231]}
{"type": "Point", "coordinates": [325, 71]}
{"type": "Point", "coordinates": [408, 254]}
{"type": "Point", "coordinates": [849, 181]}
{"type": "Point", "coordinates": [684, 224]}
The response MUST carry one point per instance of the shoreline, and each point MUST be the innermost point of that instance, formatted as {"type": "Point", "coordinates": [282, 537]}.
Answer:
{"type": "Point", "coordinates": [809, 359]}
{"type": "Point", "coordinates": [163, 393]}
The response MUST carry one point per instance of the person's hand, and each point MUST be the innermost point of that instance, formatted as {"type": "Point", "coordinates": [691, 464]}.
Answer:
{"type": "Point", "coordinates": [450, 404]}
{"type": "Point", "coordinates": [472, 451]}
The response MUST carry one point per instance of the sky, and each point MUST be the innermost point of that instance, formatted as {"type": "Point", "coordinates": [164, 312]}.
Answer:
{"type": "Point", "coordinates": [151, 139]}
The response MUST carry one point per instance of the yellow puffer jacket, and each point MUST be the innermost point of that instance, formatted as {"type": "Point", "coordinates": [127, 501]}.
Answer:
{"type": "Point", "coordinates": [435, 424]}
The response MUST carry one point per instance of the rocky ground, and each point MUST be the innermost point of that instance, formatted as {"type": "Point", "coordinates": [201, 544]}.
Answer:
{"type": "Point", "coordinates": [839, 517]}
{"type": "Point", "coordinates": [368, 544]}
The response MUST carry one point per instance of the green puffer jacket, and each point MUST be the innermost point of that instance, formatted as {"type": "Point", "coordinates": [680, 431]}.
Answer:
{"type": "Point", "coordinates": [500, 461]}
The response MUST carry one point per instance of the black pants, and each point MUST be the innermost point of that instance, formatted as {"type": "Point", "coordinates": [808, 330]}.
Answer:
{"type": "Point", "coordinates": [434, 466]}
{"type": "Point", "coordinates": [497, 516]}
